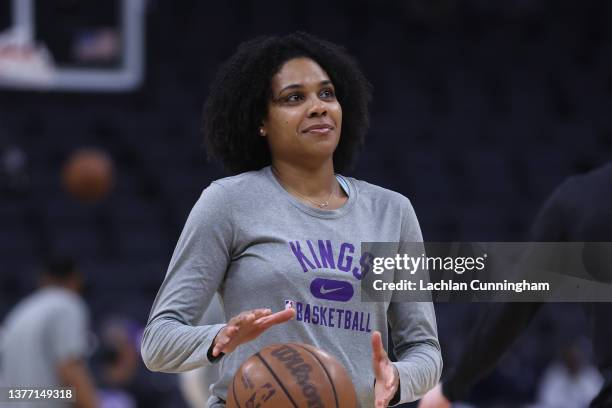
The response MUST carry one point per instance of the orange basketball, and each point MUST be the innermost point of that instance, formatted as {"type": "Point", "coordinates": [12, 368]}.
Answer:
{"type": "Point", "coordinates": [88, 174]}
{"type": "Point", "coordinates": [291, 375]}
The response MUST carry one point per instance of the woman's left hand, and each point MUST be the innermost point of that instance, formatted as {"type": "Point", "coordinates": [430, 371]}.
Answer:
{"type": "Point", "coordinates": [385, 373]}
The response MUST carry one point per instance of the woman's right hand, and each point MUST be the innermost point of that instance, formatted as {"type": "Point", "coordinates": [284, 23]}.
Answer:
{"type": "Point", "coordinates": [246, 327]}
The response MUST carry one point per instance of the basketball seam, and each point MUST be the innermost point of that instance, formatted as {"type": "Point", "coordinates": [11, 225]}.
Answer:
{"type": "Point", "coordinates": [234, 392]}
{"type": "Point", "coordinates": [326, 373]}
{"type": "Point", "coordinates": [276, 378]}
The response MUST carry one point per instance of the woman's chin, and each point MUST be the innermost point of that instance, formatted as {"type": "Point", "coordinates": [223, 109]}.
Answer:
{"type": "Point", "coordinates": [323, 149]}
{"type": "Point", "coordinates": [322, 141]}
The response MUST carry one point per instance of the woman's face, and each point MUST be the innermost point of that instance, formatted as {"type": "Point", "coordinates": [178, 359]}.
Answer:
{"type": "Point", "coordinates": [304, 117]}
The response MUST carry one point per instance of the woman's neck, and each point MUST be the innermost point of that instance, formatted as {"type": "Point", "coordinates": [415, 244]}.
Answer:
{"type": "Point", "coordinates": [316, 183]}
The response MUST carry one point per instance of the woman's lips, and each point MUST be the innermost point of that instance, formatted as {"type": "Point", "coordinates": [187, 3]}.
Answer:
{"type": "Point", "coordinates": [318, 129]}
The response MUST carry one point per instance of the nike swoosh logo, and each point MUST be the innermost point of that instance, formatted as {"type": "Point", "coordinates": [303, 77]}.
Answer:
{"type": "Point", "coordinates": [331, 289]}
{"type": "Point", "coordinates": [325, 291]}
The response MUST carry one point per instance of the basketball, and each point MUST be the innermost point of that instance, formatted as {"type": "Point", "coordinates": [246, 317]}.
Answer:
{"type": "Point", "coordinates": [88, 174]}
{"type": "Point", "coordinates": [291, 375]}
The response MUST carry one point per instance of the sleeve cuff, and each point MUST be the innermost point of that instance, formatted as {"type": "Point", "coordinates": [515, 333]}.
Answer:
{"type": "Point", "coordinates": [397, 398]}
{"type": "Point", "coordinates": [209, 348]}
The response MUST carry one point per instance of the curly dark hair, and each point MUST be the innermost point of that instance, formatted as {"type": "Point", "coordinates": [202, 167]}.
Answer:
{"type": "Point", "coordinates": [239, 96]}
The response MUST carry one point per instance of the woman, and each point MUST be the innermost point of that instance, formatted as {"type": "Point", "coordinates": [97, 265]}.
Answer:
{"type": "Point", "coordinates": [286, 230]}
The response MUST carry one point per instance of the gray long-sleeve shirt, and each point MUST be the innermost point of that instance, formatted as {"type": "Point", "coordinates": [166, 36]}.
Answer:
{"type": "Point", "coordinates": [260, 247]}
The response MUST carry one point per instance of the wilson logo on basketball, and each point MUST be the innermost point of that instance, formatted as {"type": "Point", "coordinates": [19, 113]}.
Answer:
{"type": "Point", "coordinates": [291, 375]}
{"type": "Point", "coordinates": [300, 370]}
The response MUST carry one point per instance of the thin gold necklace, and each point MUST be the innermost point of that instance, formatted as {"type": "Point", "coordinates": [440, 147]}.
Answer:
{"type": "Point", "coordinates": [323, 204]}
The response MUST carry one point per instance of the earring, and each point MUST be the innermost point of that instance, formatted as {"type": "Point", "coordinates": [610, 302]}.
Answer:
{"type": "Point", "coordinates": [262, 132]}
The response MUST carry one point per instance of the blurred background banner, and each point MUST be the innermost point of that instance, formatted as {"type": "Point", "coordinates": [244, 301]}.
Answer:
{"type": "Point", "coordinates": [481, 110]}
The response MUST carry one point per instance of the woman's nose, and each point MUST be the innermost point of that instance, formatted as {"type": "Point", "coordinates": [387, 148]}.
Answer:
{"type": "Point", "coordinates": [317, 108]}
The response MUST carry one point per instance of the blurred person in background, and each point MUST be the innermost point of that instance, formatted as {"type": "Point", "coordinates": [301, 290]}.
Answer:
{"type": "Point", "coordinates": [570, 381]}
{"type": "Point", "coordinates": [118, 365]}
{"type": "Point", "coordinates": [122, 380]}
{"type": "Point", "coordinates": [45, 337]}
{"type": "Point", "coordinates": [579, 210]}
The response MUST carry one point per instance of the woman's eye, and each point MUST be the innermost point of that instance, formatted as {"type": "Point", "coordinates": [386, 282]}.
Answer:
{"type": "Point", "coordinates": [293, 98]}
{"type": "Point", "coordinates": [327, 93]}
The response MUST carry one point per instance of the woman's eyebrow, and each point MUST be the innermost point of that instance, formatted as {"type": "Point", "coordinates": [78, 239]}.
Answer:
{"type": "Point", "coordinates": [293, 86]}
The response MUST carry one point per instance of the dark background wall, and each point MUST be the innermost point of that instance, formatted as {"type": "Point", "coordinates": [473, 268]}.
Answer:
{"type": "Point", "coordinates": [480, 109]}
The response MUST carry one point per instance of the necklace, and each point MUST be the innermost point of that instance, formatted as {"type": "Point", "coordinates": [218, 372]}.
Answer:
{"type": "Point", "coordinates": [322, 204]}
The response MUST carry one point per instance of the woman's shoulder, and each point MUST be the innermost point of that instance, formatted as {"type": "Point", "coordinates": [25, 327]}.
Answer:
{"type": "Point", "coordinates": [238, 184]}
{"type": "Point", "coordinates": [223, 197]}
{"type": "Point", "coordinates": [241, 179]}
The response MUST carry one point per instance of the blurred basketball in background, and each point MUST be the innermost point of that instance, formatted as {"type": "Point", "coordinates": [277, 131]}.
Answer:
{"type": "Point", "coordinates": [291, 375]}
{"type": "Point", "coordinates": [88, 174]}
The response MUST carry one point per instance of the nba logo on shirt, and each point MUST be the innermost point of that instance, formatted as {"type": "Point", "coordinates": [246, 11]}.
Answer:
{"type": "Point", "coordinates": [289, 304]}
